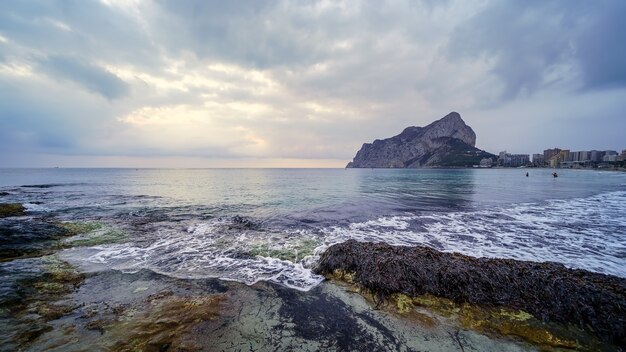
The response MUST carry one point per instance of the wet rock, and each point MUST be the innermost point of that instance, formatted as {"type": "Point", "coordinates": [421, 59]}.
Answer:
{"type": "Point", "coordinates": [548, 291]}
{"type": "Point", "coordinates": [239, 222]}
{"type": "Point", "coordinates": [163, 326]}
{"type": "Point", "coordinates": [31, 298]}
{"type": "Point", "coordinates": [335, 325]}
{"type": "Point", "coordinates": [11, 209]}
{"type": "Point", "coordinates": [28, 237]}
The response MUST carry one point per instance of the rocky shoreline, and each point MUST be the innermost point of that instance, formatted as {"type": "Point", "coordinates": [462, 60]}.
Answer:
{"type": "Point", "coordinates": [439, 301]}
{"type": "Point", "coordinates": [549, 292]}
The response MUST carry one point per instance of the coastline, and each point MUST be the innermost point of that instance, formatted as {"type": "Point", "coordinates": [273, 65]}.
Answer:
{"type": "Point", "coordinates": [61, 308]}
{"type": "Point", "coordinates": [89, 264]}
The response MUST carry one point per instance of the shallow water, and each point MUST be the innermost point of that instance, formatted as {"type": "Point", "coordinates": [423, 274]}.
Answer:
{"type": "Point", "coordinates": [251, 225]}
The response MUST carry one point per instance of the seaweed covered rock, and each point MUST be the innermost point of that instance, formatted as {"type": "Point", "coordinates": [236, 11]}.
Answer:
{"type": "Point", "coordinates": [20, 237]}
{"type": "Point", "coordinates": [548, 291]}
{"type": "Point", "coordinates": [11, 209]}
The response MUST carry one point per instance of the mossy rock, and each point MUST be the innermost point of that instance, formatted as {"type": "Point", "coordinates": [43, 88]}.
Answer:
{"type": "Point", "coordinates": [40, 298]}
{"type": "Point", "coordinates": [11, 209]}
{"type": "Point", "coordinates": [292, 253]}
{"type": "Point", "coordinates": [520, 324]}
{"type": "Point", "coordinates": [164, 325]}
{"type": "Point", "coordinates": [50, 311]}
{"type": "Point", "coordinates": [97, 238]}
{"type": "Point", "coordinates": [77, 228]}
{"type": "Point", "coordinates": [87, 234]}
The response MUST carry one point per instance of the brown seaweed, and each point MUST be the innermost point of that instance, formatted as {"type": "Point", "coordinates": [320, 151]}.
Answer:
{"type": "Point", "coordinates": [549, 291]}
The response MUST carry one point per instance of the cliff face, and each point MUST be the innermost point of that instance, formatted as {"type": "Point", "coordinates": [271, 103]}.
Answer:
{"type": "Point", "coordinates": [445, 142]}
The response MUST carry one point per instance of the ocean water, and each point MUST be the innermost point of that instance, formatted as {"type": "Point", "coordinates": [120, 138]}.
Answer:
{"type": "Point", "coordinates": [271, 224]}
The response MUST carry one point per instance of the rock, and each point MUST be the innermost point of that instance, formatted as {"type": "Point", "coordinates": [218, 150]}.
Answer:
{"type": "Point", "coordinates": [11, 209]}
{"type": "Point", "coordinates": [19, 237]}
{"type": "Point", "coordinates": [447, 142]}
{"type": "Point", "coordinates": [549, 291]}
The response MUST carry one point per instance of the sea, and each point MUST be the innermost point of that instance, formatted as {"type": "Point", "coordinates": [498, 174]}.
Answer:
{"type": "Point", "coordinates": [251, 225]}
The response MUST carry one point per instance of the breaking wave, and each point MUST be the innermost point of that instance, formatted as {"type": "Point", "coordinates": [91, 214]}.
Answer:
{"type": "Point", "coordinates": [587, 233]}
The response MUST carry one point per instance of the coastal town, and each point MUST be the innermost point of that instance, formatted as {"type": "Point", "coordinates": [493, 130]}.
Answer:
{"type": "Point", "coordinates": [561, 159]}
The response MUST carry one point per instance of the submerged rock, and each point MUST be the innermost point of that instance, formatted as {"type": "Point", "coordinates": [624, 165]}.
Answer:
{"type": "Point", "coordinates": [31, 295]}
{"type": "Point", "coordinates": [548, 291]}
{"type": "Point", "coordinates": [20, 237]}
{"type": "Point", "coordinates": [11, 209]}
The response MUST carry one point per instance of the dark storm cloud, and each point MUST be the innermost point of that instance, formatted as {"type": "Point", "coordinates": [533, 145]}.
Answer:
{"type": "Point", "coordinates": [92, 77]}
{"type": "Point", "coordinates": [534, 44]}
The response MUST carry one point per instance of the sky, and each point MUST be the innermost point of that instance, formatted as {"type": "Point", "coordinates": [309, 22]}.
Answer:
{"type": "Point", "coordinates": [133, 83]}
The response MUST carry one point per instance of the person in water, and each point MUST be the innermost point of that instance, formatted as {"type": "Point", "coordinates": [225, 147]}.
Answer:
{"type": "Point", "coordinates": [527, 174]}
{"type": "Point", "coordinates": [554, 174]}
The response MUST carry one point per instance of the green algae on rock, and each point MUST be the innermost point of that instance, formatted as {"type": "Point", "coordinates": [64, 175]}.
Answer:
{"type": "Point", "coordinates": [77, 228]}
{"type": "Point", "coordinates": [549, 292]}
{"type": "Point", "coordinates": [291, 252]}
{"type": "Point", "coordinates": [11, 209]}
{"type": "Point", "coordinates": [97, 238]}
{"type": "Point", "coordinates": [500, 321]}
{"type": "Point", "coordinates": [25, 317]}
{"type": "Point", "coordinates": [162, 326]}
{"type": "Point", "coordinates": [28, 237]}
{"type": "Point", "coordinates": [87, 234]}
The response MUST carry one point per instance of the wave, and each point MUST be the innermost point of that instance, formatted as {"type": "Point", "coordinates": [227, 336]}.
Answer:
{"type": "Point", "coordinates": [587, 233]}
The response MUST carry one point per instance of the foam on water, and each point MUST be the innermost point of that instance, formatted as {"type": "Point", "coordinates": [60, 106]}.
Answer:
{"type": "Point", "coordinates": [208, 249]}
{"type": "Point", "coordinates": [576, 232]}
{"type": "Point", "coordinates": [587, 233]}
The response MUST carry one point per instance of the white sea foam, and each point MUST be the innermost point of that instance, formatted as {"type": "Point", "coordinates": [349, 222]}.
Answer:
{"type": "Point", "coordinates": [207, 250]}
{"type": "Point", "coordinates": [587, 233]}
{"type": "Point", "coordinates": [36, 207]}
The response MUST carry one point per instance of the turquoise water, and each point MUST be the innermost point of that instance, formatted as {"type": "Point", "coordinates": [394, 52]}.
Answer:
{"type": "Point", "coordinates": [270, 224]}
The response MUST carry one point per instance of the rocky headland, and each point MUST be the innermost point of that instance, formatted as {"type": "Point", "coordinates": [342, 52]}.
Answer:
{"type": "Point", "coordinates": [447, 142]}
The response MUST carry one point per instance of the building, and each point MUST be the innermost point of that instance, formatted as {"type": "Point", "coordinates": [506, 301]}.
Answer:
{"type": "Point", "coordinates": [579, 156]}
{"type": "Point", "coordinates": [519, 159]}
{"type": "Point", "coordinates": [513, 160]}
{"type": "Point", "coordinates": [549, 153]}
{"type": "Point", "coordinates": [596, 156]}
{"type": "Point", "coordinates": [556, 160]}
{"type": "Point", "coordinates": [610, 158]}
{"type": "Point", "coordinates": [539, 160]}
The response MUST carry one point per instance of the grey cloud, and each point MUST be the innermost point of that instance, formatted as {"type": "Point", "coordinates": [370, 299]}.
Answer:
{"type": "Point", "coordinates": [92, 77]}
{"type": "Point", "coordinates": [534, 44]}
{"type": "Point", "coordinates": [601, 50]}
{"type": "Point", "coordinates": [93, 30]}
{"type": "Point", "coordinates": [399, 66]}
{"type": "Point", "coordinates": [258, 34]}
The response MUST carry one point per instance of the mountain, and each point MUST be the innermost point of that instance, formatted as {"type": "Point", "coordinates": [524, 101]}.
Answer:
{"type": "Point", "coordinates": [447, 142]}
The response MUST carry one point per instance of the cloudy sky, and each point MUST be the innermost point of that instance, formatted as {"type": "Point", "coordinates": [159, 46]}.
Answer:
{"type": "Point", "coordinates": [301, 84]}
